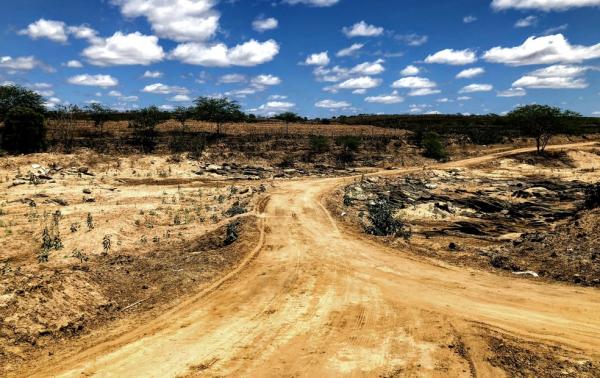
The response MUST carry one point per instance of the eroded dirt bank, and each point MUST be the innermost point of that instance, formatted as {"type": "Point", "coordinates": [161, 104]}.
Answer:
{"type": "Point", "coordinates": [524, 215]}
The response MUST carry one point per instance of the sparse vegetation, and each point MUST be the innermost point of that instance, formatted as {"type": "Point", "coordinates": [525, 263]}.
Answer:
{"type": "Point", "coordinates": [383, 222]}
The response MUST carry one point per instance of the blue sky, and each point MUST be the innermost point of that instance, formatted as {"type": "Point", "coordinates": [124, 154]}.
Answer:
{"type": "Point", "coordinates": [315, 57]}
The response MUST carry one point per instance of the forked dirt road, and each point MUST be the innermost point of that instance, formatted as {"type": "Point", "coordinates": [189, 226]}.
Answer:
{"type": "Point", "coordinates": [314, 300]}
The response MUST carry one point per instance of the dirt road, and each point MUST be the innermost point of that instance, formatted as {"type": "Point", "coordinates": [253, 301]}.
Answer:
{"type": "Point", "coordinates": [314, 300]}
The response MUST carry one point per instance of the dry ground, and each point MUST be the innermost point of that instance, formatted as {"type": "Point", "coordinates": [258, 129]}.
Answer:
{"type": "Point", "coordinates": [298, 295]}
{"type": "Point", "coordinates": [166, 228]}
{"type": "Point", "coordinates": [522, 214]}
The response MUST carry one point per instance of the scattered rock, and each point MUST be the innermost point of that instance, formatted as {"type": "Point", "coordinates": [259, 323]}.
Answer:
{"type": "Point", "coordinates": [527, 273]}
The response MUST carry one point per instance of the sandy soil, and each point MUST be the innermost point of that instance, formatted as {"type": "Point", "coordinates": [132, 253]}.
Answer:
{"type": "Point", "coordinates": [315, 299]}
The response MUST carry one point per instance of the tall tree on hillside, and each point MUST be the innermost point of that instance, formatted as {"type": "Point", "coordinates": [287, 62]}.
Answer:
{"type": "Point", "coordinates": [287, 118]}
{"type": "Point", "coordinates": [100, 114]}
{"type": "Point", "coordinates": [14, 96]}
{"type": "Point", "coordinates": [541, 122]}
{"type": "Point", "coordinates": [144, 124]}
{"type": "Point", "coordinates": [217, 110]}
{"type": "Point", "coordinates": [181, 114]}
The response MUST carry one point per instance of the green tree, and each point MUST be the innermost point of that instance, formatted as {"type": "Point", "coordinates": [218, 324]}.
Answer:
{"type": "Point", "coordinates": [433, 146]}
{"type": "Point", "coordinates": [217, 110]}
{"type": "Point", "coordinates": [181, 114]}
{"type": "Point", "coordinates": [24, 131]}
{"type": "Point", "coordinates": [99, 114]}
{"type": "Point", "coordinates": [287, 118]}
{"type": "Point", "coordinates": [541, 122]}
{"type": "Point", "coordinates": [144, 124]}
{"type": "Point", "coordinates": [14, 96]}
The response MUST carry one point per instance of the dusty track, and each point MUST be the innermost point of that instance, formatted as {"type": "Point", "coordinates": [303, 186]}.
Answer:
{"type": "Point", "coordinates": [314, 300]}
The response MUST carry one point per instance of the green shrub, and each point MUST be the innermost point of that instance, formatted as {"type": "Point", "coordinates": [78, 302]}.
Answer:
{"type": "Point", "coordinates": [350, 145]}
{"type": "Point", "coordinates": [24, 131]}
{"type": "Point", "coordinates": [434, 147]}
{"type": "Point", "coordinates": [232, 233]}
{"type": "Point", "coordinates": [318, 144]}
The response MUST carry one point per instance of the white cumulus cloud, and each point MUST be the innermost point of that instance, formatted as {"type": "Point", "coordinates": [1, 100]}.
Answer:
{"type": "Point", "coordinates": [470, 73]}
{"type": "Point", "coordinates": [545, 5]}
{"type": "Point", "coordinates": [318, 59]}
{"type": "Point", "coordinates": [364, 82]}
{"type": "Point", "coordinates": [178, 20]}
{"type": "Point", "coordinates": [410, 70]}
{"type": "Point", "coordinates": [152, 74]}
{"type": "Point", "coordinates": [262, 25]}
{"type": "Point", "coordinates": [332, 104]}
{"type": "Point", "coordinates": [453, 57]}
{"type": "Point", "coordinates": [125, 49]}
{"type": "Point", "coordinates": [362, 29]}
{"type": "Point", "coordinates": [542, 50]}
{"type": "Point", "coordinates": [393, 98]}
{"type": "Point", "coordinates": [160, 88]}
{"type": "Point", "coordinates": [102, 81]}
{"type": "Point", "coordinates": [472, 88]}
{"type": "Point", "coordinates": [351, 50]}
{"type": "Point", "coordinates": [247, 54]}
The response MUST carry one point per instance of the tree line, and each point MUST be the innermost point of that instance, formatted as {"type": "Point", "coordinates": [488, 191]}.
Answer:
{"type": "Point", "coordinates": [23, 114]}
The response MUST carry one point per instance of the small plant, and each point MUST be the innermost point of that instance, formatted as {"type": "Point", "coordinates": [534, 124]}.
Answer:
{"type": "Point", "coordinates": [43, 256]}
{"type": "Point", "coordinates": [56, 217]}
{"type": "Point", "coordinates": [80, 255]}
{"type": "Point", "coordinates": [106, 244]}
{"type": "Point", "coordinates": [46, 240]}
{"type": "Point", "coordinates": [50, 241]}
{"type": "Point", "coordinates": [592, 197]}
{"type": "Point", "coordinates": [90, 221]}
{"type": "Point", "coordinates": [236, 209]}
{"type": "Point", "coordinates": [75, 227]}
{"type": "Point", "coordinates": [232, 233]}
